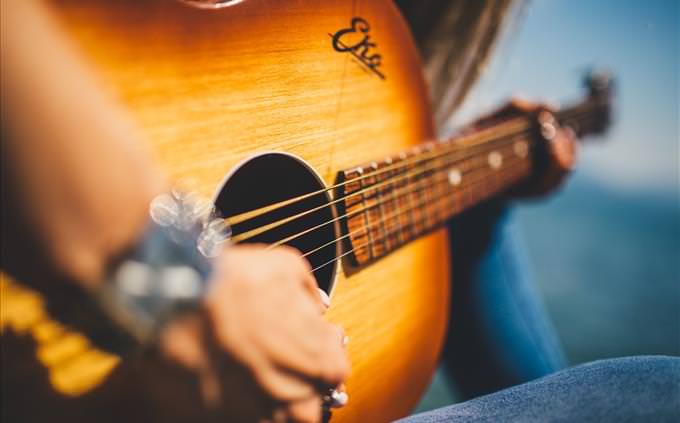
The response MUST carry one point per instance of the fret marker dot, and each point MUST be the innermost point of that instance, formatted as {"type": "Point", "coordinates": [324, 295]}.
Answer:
{"type": "Point", "coordinates": [495, 160]}
{"type": "Point", "coordinates": [548, 131]}
{"type": "Point", "coordinates": [521, 149]}
{"type": "Point", "coordinates": [455, 178]}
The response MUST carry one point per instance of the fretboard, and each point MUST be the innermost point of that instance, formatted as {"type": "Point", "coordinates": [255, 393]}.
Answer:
{"type": "Point", "coordinates": [392, 201]}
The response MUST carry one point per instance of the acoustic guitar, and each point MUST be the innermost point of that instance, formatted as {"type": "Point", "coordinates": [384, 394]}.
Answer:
{"type": "Point", "coordinates": [308, 122]}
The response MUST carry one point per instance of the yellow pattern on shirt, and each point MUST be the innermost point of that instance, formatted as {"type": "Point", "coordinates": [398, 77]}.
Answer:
{"type": "Point", "coordinates": [75, 366]}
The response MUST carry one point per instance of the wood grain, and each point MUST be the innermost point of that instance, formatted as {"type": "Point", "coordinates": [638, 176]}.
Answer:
{"type": "Point", "coordinates": [211, 87]}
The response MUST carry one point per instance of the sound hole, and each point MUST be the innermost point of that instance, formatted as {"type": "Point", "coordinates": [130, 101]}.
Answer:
{"type": "Point", "coordinates": [274, 177]}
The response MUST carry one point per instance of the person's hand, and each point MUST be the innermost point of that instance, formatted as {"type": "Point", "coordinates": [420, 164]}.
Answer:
{"type": "Point", "coordinates": [262, 350]}
{"type": "Point", "coordinates": [561, 151]}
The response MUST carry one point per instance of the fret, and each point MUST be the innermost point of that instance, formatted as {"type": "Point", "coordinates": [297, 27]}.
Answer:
{"type": "Point", "coordinates": [405, 199]}
{"type": "Point", "coordinates": [423, 190]}
{"type": "Point", "coordinates": [465, 166]}
{"type": "Point", "coordinates": [402, 204]}
{"type": "Point", "coordinates": [357, 220]}
{"type": "Point", "coordinates": [470, 171]}
{"type": "Point", "coordinates": [510, 170]}
{"type": "Point", "coordinates": [494, 161]}
{"type": "Point", "coordinates": [374, 214]}
{"type": "Point", "coordinates": [427, 190]}
{"type": "Point", "coordinates": [440, 189]}
{"type": "Point", "coordinates": [489, 164]}
{"type": "Point", "coordinates": [521, 163]}
{"type": "Point", "coordinates": [457, 200]}
{"type": "Point", "coordinates": [388, 200]}
{"type": "Point", "coordinates": [381, 206]}
{"type": "Point", "coordinates": [515, 174]}
{"type": "Point", "coordinates": [414, 195]}
{"type": "Point", "coordinates": [515, 165]}
{"type": "Point", "coordinates": [487, 177]}
{"type": "Point", "coordinates": [398, 203]}
{"type": "Point", "coordinates": [400, 213]}
{"type": "Point", "coordinates": [482, 178]}
{"type": "Point", "coordinates": [456, 177]}
{"type": "Point", "coordinates": [432, 187]}
{"type": "Point", "coordinates": [423, 186]}
{"type": "Point", "coordinates": [509, 174]}
{"type": "Point", "coordinates": [451, 177]}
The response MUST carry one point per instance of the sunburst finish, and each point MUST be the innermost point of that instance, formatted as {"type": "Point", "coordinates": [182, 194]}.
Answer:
{"type": "Point", "coordinates": [211, 87]}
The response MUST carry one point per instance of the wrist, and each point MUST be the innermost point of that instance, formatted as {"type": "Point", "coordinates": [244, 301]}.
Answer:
{"type": "Point", "coordinates": [164, 274]}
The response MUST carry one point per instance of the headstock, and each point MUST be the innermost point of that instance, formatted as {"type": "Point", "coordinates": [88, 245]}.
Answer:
{"type": "Point", "coordinates": [593, 114]}
{"type": "Point", "coordinates": [600, 88]}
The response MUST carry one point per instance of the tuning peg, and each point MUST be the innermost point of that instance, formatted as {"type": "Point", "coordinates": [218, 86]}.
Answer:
{"type": "Point", "coordinates": [599, 82]}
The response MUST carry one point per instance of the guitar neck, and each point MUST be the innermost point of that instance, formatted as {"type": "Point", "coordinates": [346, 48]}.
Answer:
{"type": "Point", "coordinates": [392, 201]}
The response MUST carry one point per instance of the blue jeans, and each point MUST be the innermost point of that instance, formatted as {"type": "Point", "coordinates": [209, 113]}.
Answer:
{"type": "Point", "coordinates": [635, 389]}
{"type": "Point", "coordinates": [500, 334]}
{"type": "Point", "coordinates": [503, 351]}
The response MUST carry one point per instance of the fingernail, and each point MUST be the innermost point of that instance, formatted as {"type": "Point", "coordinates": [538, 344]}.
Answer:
{"type": "Point", "coordinates": [345, 340]}
{"type": "Point", "coordinates": [325, 299]}
{"type": "Point", "coordinates": [339, 399]}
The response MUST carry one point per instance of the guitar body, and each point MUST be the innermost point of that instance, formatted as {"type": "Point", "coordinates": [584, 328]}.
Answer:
{"type": "Point", "coordinates": [212, 88]}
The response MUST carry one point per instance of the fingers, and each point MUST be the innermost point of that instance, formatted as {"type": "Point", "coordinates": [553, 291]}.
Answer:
{"type": "Point", "coordinates": [183, 342]}
{"type": "Point", "coordinates": [292, 257]}
{"type": "Point", "coordinates": [282, 385]}
{"type": "Point", "coordinates": [521, 105]}
{"type": "Point", "coordinates": [310, 409]}
{"type": "Point", "coordinates": [306, 411]}
{"type": "Point", "coordinates": [314, 353]}
{"type": "Point", "coordinates": [560, 159]}
{"type": "Point", "coordinates": [564, 149]}
{"type": "Point", "coordinates": [513, 108]}
{"type": "Point", "coordinates": [304, 344]}
{"type": "Point", "coordinates": [339, 367]}
{"type": "Point", "coordinates": [266, 309]}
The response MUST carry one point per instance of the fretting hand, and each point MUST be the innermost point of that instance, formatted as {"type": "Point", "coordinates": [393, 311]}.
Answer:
{"type": "Point", "coordinates": [561, 152]}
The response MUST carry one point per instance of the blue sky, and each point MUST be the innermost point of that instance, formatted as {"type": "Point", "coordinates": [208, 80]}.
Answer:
{"type": "Point", "coordinates": [545, 54]}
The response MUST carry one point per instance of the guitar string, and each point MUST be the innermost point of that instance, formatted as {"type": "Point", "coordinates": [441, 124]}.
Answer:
{"type": "Point", "coordinates": [385, 235]}
{"type": "Point", "coordinates": [437, 166]}
{"type": "Point", "coordinates": [452, 143]}
{"type": "Point", "coordinates": [415, 172]}
{"type": "Point", "coordinates": [366, 244]}
{"type": "Point", "coordinates": [262, 229]}
{"type": "Point", "coordinates": [394, 195]}
{"type": "Point", "coordinates": [265, 228]}
{"type": "Point", "coordinates": [462, 191]}
{"type": "Point", "coordinates": [377, 205]}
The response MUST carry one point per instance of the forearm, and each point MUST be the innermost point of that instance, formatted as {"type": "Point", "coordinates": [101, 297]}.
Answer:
{"type": "Point", "coordinates": [83, 181]}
